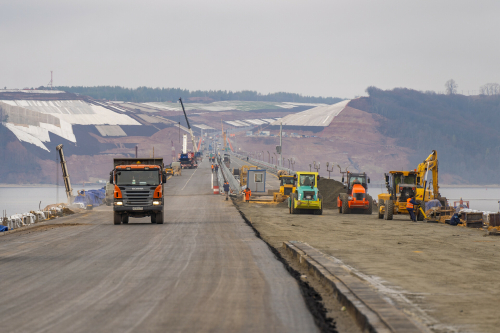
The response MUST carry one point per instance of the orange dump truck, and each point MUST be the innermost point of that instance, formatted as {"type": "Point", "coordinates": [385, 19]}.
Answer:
{"type": "Point", "coordinates": [138, 184]}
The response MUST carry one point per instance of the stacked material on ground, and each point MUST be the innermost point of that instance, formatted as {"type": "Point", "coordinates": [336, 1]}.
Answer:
{"type": "Point", "coordinates": [91, 197]}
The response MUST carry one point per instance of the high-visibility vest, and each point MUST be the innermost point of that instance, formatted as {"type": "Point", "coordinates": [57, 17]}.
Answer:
{"type": "Point", "coordinates": [409, 205]}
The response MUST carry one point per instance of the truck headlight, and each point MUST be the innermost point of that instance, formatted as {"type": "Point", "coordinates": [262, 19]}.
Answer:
{"type": "Point", "coordinates": [156, 203]}
{"type": "Point", "coordinates": [349, 198]}
{"type": "Point", "coordinates": [118, 203]}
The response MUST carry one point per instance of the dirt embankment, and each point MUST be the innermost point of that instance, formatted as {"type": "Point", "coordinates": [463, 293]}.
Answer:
{"type": "Point", "coordinates": [446, 277]}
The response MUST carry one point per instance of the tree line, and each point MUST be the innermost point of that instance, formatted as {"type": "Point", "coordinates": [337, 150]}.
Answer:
{"type": "Point", "coordinates": [147, 94]}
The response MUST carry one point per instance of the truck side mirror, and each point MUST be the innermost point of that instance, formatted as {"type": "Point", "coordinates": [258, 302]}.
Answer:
{"type": "Point", "coordinates": [111, 178]}
{"type": "Point", "coordinates": [164, 177]}
{"type": "Point", "coordinates": [387, 179]}
{"type": "Point", "coordinates": [368, 180]}
{"type": "Point", "coordinates": [342, 179]}
{"type": "Point", "coordinates": [318, 178]}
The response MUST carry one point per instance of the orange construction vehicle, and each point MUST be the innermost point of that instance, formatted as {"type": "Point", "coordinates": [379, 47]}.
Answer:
{"type": "Point", "coordinates": [138, 190]}
{"type": "Point", "coordinates": [356, 199]}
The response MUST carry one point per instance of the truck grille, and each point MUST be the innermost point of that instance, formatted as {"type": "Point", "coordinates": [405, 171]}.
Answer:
{"type": "Point", "coordinates": [137, 198]}
{"type": "Point", "coordinates": [288, 191]}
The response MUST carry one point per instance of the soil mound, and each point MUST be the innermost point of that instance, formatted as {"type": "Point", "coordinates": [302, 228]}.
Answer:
{"type": "Point", "coordinates": [330, 190]}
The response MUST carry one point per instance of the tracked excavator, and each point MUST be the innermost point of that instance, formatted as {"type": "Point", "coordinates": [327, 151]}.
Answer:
{"type": "Point", "coordinates": [402, 185]}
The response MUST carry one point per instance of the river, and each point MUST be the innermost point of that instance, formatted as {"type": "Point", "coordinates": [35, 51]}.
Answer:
{"type": "Point", "coordinates": [17, 200]}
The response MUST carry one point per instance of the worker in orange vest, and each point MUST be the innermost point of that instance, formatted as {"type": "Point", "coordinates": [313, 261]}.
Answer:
{"type": "Point", "coordinates": [410, 204]}
{"type": "Point", "coordinates": [248, 193]}
{"type": "Point", "coordinates": [212, 168]}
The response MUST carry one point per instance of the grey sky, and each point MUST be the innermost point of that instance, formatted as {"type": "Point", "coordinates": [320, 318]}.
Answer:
{"type": "Point", "coordinates": [328, 48]}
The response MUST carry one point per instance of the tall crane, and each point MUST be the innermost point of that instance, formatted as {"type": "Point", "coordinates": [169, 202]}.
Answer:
{"type": "Point", "coordinates": [195, 148]}
{"type": "Point", "coordinates": [65, 174]}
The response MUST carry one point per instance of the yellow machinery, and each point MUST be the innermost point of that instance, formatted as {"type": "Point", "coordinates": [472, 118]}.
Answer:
{"type": "Point", "coordinates": [169, 171]}
{"type": "Point", "coordinates": [244, 174]}
{"type": "Point", "coordinates": [402, 185]}
{"type": "Point", "coordinates": [287, 186]}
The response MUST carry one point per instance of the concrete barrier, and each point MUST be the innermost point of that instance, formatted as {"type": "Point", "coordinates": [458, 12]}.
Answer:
{"type": "Point", "coordinates": [369, 310]}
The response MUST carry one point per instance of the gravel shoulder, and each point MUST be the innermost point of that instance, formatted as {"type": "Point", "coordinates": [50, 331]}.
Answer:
{"type": "Point", "coordinates": [445, 277]}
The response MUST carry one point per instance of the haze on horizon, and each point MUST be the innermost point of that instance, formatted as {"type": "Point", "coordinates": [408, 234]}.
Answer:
{"type": "Point", "coordinates": [319, 48]}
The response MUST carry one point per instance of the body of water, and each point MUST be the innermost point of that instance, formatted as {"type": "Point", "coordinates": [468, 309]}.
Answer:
{"type": "Point", "coordinates": [480, 198]}
{"type": "Point", "coordinates": [17, 200]}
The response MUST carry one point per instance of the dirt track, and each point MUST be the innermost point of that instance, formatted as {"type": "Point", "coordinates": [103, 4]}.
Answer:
{"type": "Point", "coordinates": [446, 277]}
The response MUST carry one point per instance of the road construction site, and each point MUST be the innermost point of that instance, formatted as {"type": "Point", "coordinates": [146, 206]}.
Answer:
{"type": "Point", "coordinates": [204, 270]}
{"type": "Point", "coordinates": [442, 278]}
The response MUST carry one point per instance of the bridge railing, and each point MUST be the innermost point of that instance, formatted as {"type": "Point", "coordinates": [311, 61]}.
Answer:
{"type": "Point", "coordinates": [264, 165]}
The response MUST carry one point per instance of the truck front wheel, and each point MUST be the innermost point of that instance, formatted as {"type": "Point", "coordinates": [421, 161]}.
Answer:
{"type": "Point", "coordinates": [117, 218]}
{"type": "Point", "coordinates": [159, 218]}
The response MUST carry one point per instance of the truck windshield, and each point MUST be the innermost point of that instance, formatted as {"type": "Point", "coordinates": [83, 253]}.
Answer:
{"type": "Point", "coordinates": [138, 177]}
{"type": "Point", "coordinates": [306, 180]}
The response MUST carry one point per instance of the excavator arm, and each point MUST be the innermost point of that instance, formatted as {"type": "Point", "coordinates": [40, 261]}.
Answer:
{"type": "Point", "coordinates": [429, 164]}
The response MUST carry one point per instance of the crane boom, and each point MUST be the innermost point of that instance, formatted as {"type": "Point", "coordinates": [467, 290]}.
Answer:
{"type": "Point", "coordinates": [64, 167]}
{"type": "Point", "coordinates": [189, 127]}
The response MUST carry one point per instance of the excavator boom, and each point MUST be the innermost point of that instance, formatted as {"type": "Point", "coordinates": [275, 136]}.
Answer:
{"type": "Point", "coordinates": [195, 148]}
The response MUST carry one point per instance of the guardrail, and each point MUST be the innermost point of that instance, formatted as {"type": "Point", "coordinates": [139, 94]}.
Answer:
{"type": "Point", "coordinates": [268, 166]}
{"type": "Point", "coordinates": [233, 183]}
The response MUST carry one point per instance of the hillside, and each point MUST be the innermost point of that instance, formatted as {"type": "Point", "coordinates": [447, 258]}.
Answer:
{"type": "Point", "coordinates": [464, 130]}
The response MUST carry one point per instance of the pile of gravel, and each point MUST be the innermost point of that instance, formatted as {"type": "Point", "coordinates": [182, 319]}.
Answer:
{"type": "Point", "coordinates": [330, 190]}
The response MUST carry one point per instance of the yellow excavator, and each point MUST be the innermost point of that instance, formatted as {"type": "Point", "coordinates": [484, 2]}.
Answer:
{"type": "Point", "coordinates": [402, 185]}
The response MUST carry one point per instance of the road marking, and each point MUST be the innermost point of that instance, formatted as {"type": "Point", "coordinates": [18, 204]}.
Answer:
{"type": "Point", "coordinates": [169, 177]}
{"type": "Point", "coordinates": [189, 179]}
{"type": "Point", "coordinates": [417, 251]}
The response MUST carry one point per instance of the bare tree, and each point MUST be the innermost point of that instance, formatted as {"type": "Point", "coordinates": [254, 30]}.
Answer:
{"type": "Point", "coordinates": [490, 89]}
{"type": "Point", "coordinates": [451, 87]}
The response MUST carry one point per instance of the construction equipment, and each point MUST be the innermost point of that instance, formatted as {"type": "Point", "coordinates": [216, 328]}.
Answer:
{"type": "Point", "coordinates": [169, 171]}
{"type": "Point", "coordinates": [65, 174]}
{"type": "Point", "coordinates": [356, 199]}
{"type": "Point", "coordinates": [306, 195]}
{"type": "Point", "coordinates": [402, 185]}
{"type": "Point", "coordinates": [195, 148]}
{"type": "Point", "coordinates": [138, 189]}
{"type": "Point", "coordinates": [244, 174]}
{"type": "Point", "coordinates": [287, 186]}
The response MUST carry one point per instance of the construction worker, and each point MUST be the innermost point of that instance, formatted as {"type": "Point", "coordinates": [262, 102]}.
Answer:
{"type": "Point", "coordinates": [248, 193]}
{"type": "Point", "coordinates": [212, 168]}
{"type": "Point", "coordinates": [216, 168]}
{"type": "Point", "coordinates": [410, 205]}
{"type": "Point", "coordinates": [226, 190]}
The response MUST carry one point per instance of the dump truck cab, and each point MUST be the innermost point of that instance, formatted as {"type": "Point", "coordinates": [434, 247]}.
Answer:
{"type": "Point", "coordinates": [306, 195]}
{"type": "Point", "coordinates": [138, 189]}
{"type": "Point", "coordinates": [357, 197]}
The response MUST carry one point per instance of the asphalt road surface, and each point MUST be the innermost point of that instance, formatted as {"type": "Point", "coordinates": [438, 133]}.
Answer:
{"type": "Point", "coordinates": [202, 271]}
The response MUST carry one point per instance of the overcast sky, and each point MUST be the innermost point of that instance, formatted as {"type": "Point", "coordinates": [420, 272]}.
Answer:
{"type": "Point", "coordinates": [320, 48]}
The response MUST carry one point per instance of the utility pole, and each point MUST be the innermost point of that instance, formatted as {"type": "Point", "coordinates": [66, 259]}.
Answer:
{"type": "Point", "coordinates": [281, 144]}
{"type": "Point", "coordinates": [136, 151]}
